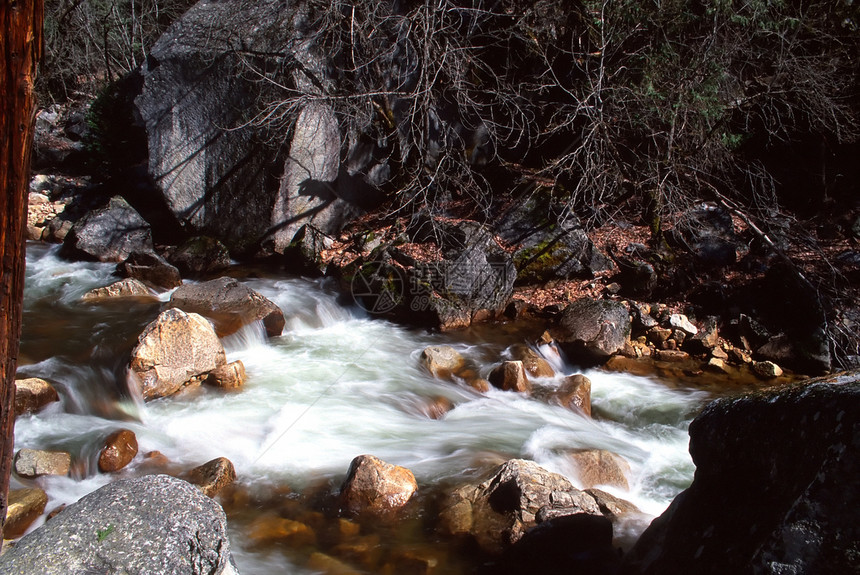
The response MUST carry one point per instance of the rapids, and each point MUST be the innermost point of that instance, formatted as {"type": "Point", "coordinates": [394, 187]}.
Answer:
{"type": "Point", "coordinates": [338, 383]}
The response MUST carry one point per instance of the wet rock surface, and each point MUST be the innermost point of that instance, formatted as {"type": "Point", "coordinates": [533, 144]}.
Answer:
{"type": "Point", "coordinates": [770, 492]}
{"type": "Point", "coordinates": [155, 524]}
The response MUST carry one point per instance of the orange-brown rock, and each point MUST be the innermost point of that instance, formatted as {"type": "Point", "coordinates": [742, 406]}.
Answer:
{"type": "Point", "coordinates": [32, 394]}
{"type": "Point", "coordinates": [213, 476]}
{"type": "Point", "coordinates": [534, 364]}
{"type": "Point", "coordinates": [229, 376]}
{"type": "Point", "coordinates": [575, 393]}
{"type": "Point", "coordinates": [320, 562]}
{"type": "Point", "coordinates": [120, 447]}
{"type": "Point", "coordinates": [24, 507]}
{"type": "Point", "coordinates": [510, 376]}
{"type": "Point", "coordinates": [374, 486]}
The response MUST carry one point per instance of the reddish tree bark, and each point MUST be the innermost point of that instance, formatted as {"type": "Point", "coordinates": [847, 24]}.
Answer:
{"type": "Point", "coordinates": [20, 50]}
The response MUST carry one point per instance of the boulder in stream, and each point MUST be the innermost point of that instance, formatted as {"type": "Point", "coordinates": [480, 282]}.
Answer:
{"type": "Point", "coordinates": [575, 393]}
{"type": "Point", "coordinates": [25, 506]}
{"type": "Point", "coordinates": [123, 288]}
{"type": "Point", "coordinates": [442, 361]}
{"type": "Point", "coordinates": [108, 234]}
{"type": "Point", "coordinates": [230, 305]}
{"type": "Point", "coordinates": [33, 394]}
{"type": "Point", "coordinates": [174, 350]}
{"type": "Point", "coordinates": [510, 376]}
{"type": "Point", "coordinates": [775, 489]}
{"type": "Point", "coordinates": [213, 476]}
{"type": "Point", "coordinates": [376, 487]}
{"type": "Point", "coordinates": [32, 463]}
{"type": "Point", "coordinates": [120, 447]}
{"type": "Point", "coordinates": [592, 330]}
{"type": "Point", "coordinates": [150, 268]}
{"type": "Point", "coordinates": [154, 524]}
{"type": "Point", "coordinates": [499, 511]}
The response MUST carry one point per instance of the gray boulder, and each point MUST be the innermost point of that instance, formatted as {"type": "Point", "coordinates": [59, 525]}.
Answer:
{"type": "Point", "coordinates": [154, 524]}
{"type": "Point", "coordinates": [209, 159]}
{"type": "Point", "coordinates": [150, 268]}
{"type": "Point", "coordinates": [200, 255]}
{"type": "Point", "coordinates": [775, 489]}
{"type": "Point", "coordinates": [108, 234]}
{"type": "Point", "coordinates": [592, 330]}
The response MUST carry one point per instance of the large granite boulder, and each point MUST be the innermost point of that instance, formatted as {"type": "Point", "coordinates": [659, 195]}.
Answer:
{"type": "Point", "coordinates": [173, 351]}
{"type": "Point", "coordinates": [230, 305]}
{"type": "Point", "coordinates": [154, 524]}
{"type": "Point", "coordinates": [500, 510]}
{"type": "Point", "coordinates": [775, 489]}
{"type": "Point", "coordinates": [210, 160]}
{"type": "Point", "coordinates": [592, 330]}
{"type": "Point", "coordinates": [108, 234]}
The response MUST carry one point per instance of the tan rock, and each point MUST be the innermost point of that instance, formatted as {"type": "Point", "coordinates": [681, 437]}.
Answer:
{"type": "Point", "coordinates": [436, 407]}
{"type": "Point", "coordinates": [120, 447]}
{"type": "Point", "coordinates": [442, 361]}
{"type": "Point", "coordinates": [575, 393]}
{"type": "Point", "coordinates": [128, 287]}
{"type": "Point", "coordinates": [375, 486]}
{"type": "Point", "coordinates": [213, 476]}
{"type": "Point", "coordinates": [510, 376]}
{"type": "Point", "coordinates": [32, 463]}
{"type": "Point", "coordinates": [600, 467]}
{"type": "Point", "coordinates": [173, 350]}
{"type": "Point", "coordinates": [229, 376]}
{"type": "Point", "coordinates": [659, 335]}
{"type": "Point", "coordinates": [534, 364]}
{"type": "Point", "coordinates": [24, 507]}
{"type": "Point", "coordinates": [32, 394]}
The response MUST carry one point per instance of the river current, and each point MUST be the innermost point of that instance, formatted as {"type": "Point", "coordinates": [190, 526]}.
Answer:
{"type": "Point", "coordinates": [338, 383]}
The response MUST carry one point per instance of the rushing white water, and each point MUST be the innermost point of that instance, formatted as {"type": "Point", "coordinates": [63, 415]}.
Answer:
{"type": "Point", "coordinates": [337, 384]}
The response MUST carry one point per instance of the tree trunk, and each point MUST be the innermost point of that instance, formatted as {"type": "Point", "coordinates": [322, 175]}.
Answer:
{"type": "Point", "coordinates": [20, 50]}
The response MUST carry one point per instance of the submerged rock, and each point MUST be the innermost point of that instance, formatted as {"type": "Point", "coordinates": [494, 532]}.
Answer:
{"type": "Point", "coordinates": [172, 351]}
{"type": "Point", "coordinates": [154, 524]}
{"type": "Point", "coordinates": [775, 489]}
{"type": "Point", "coordinates": [600, 467]}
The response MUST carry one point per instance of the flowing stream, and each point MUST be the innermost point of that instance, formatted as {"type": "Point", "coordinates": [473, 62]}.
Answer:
{"type": "Point", "coordinates": [335, 385]}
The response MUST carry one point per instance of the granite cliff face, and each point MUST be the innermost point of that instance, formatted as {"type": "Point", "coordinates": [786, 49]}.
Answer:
{"type": "Point", "coordinates": [775, 489]}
